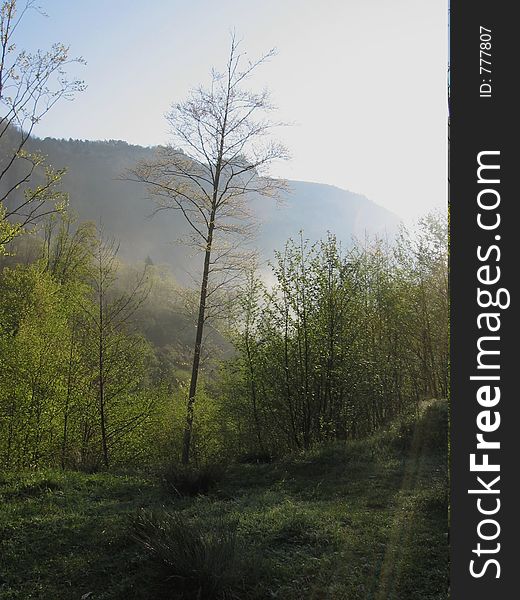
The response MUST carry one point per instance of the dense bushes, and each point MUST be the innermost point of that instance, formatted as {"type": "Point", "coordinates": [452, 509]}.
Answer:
{"type": "Point", "coordinates": [337, 346]}
{"type": "Point", "coordinates": [341, 343]}
{"type": "Point", "coordinates": [76, 380]}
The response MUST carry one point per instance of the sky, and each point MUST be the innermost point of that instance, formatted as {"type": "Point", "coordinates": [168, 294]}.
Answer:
{"type": "Point", "coordinates": [363, 82]}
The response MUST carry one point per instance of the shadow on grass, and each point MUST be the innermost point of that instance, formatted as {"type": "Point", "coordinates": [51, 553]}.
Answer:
{"type": "Point", "coordinates": [353, 521]}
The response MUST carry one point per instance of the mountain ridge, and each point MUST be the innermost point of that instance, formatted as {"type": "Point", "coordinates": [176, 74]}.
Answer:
{"type": "Point", "coordinates": [98, 193]}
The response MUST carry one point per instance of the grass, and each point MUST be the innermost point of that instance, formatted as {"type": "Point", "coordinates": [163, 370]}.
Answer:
{"type": "Point", "coordinates": [202, 561]}
{"type": "Point", "coordinates": [364, 520]}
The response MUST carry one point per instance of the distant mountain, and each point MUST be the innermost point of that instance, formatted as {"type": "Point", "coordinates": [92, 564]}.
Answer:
{"type": "Point", "coordinates": [98, 193]}
{"type": "Point", "coordinates": [316, 209]}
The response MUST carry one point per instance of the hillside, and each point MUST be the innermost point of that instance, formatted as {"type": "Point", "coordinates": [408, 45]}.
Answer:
{"type": "Point", "coordinates": [98, 193]}
{"type": "Point", "coordinates": [366, 519]}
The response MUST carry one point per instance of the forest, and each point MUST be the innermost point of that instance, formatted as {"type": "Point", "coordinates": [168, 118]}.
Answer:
{"type": "Point", "coordinates": [251, 435]}
{"type": "Point", "coordinates": [95, 352]}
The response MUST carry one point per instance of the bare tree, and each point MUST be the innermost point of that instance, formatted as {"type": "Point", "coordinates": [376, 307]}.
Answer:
{"type": "Point", "coordinates": [30, 85]}
{"type": "Point", "coordinates": [219, 157]}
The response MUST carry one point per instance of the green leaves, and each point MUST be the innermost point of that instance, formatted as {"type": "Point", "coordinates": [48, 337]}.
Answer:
{"type": "Point", "coordinates": [342, 341]}
{"type": "Point", "coordinates": [50, 344]}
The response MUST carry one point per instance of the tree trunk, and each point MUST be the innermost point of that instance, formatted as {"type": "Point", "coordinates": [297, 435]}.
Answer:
{"type": "Point", "coordinates": [188, 430]}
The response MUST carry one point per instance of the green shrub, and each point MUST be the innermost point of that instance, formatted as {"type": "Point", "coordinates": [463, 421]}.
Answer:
{"type": "Point", "coordinates": [200, 562]}
{"type": "Point", "coordinates": [255, 458]}
{"type": "Point", "coordinates": [437, 416]}
{"type": "Point", "coordinates": [185, 480]}
{"type": "Point", "coordinates": [402, 433]}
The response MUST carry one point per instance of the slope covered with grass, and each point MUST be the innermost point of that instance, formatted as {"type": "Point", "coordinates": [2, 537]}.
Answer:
{"type": "Point", "coordinates": [363, 520]}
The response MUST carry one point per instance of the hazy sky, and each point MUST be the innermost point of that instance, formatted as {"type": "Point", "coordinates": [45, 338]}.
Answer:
{"type": "Point", "coordinates": [363, 80]}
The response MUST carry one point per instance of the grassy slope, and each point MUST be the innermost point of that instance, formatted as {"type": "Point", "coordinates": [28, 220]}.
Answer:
{"type": "Point", "coordinates": [362, 521]}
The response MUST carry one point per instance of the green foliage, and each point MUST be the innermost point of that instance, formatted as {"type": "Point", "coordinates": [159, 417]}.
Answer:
{"type": "Point", "coordinates": [34, 323]}
{"type": "Point", "coordinates": [50, 350]}
{"type": "Point", "coordinates": [334, 350]}
{"type": "Point", "coordinates": [214, 430]}
{"type": "Point", "coordinates": [341, 344]}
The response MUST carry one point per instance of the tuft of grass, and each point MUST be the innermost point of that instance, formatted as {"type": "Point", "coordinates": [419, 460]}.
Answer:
{"type": "Point", "coordinates": [201, 562]}
{"type": "Point", "coordinates": [186, 480]}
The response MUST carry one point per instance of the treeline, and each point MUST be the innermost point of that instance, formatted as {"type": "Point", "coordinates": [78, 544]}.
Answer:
{"type": "Point", "coordinates": [342, 343]}
{"type": "Point", "coordinates": [94, 354]}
